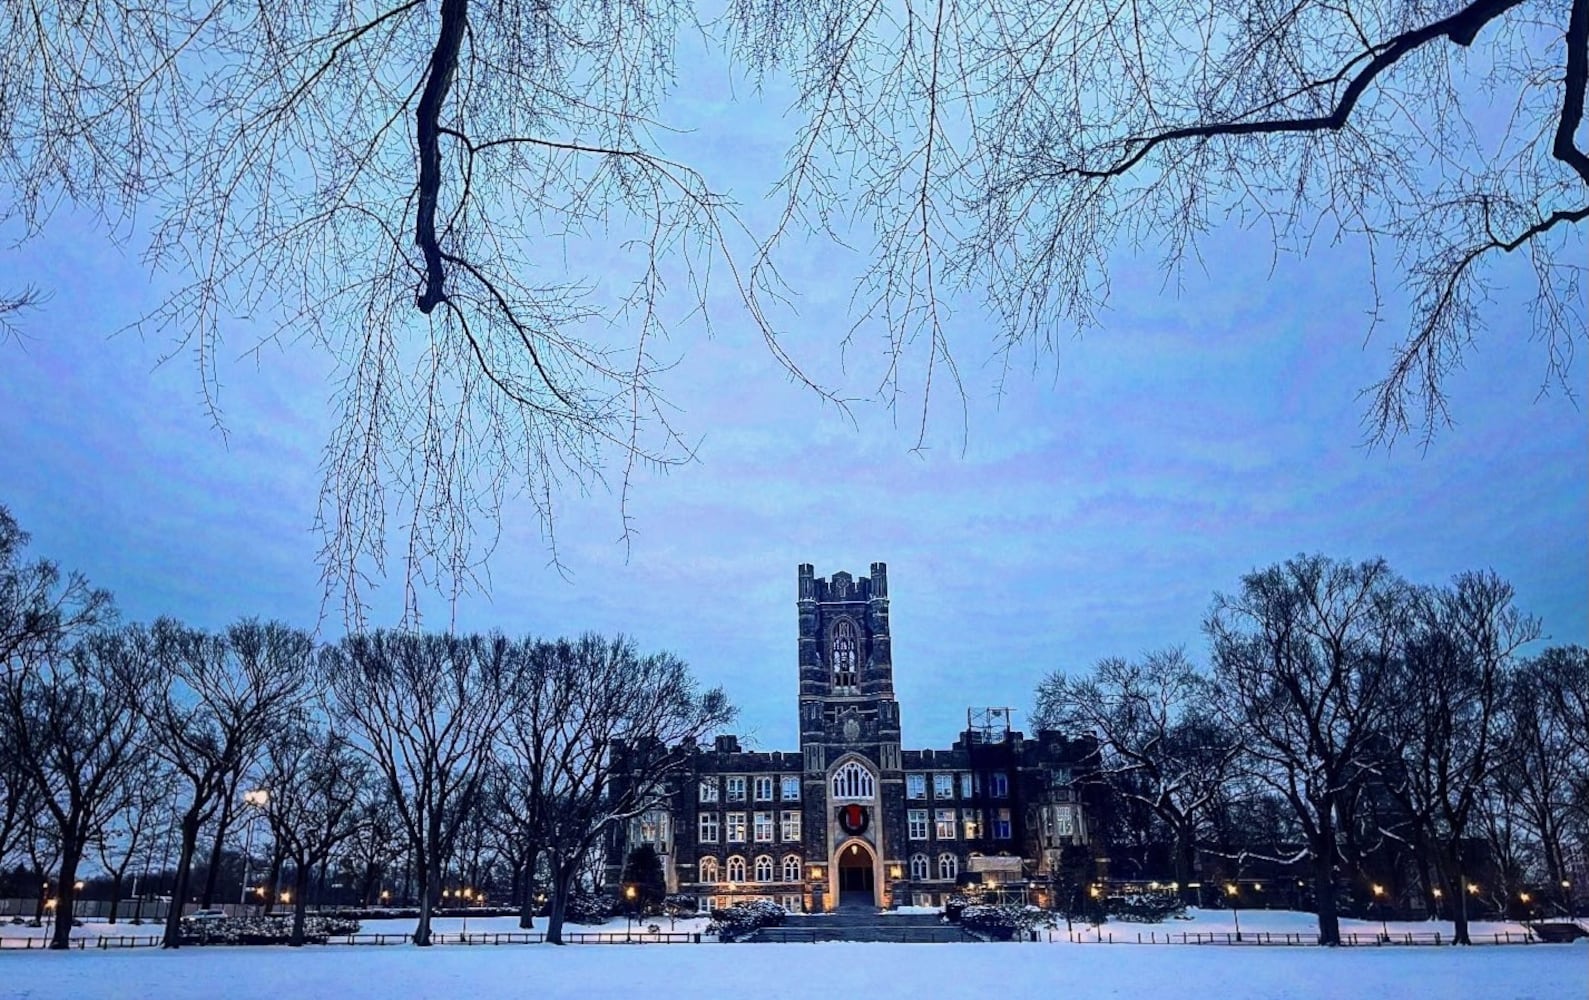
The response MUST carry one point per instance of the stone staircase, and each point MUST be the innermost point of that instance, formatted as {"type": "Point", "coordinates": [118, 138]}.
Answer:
{"type": "Point", "coordinates": [862, 925]}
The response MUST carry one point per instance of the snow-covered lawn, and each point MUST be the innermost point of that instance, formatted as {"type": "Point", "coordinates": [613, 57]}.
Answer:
{"type": "Point", "coordinates": [775, 972]}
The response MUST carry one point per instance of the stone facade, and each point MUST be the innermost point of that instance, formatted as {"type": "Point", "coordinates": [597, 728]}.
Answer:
{"type": "Point", "coordinates": [852, 818]}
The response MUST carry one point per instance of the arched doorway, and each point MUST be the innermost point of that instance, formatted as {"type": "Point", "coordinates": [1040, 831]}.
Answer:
{"type": "Point", "coordinates": [857, 871]}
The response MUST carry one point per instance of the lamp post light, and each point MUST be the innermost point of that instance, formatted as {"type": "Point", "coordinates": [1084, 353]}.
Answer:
{"type": "Point", "coordinates": [258, 798]}
{"type": "Point", "coordinates": [1234, 892]}
{"type": "Point", "coordinates": [1384, 928]}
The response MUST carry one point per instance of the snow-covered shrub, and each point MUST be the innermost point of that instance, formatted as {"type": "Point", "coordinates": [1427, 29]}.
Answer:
{"type": "Point", "coordinates": [1002, 921]}
{"type": "Point", "coordinates": [1145, 907]}
{"type": "Point", "coordinates": [590, 907]}
{"type": "Point", "coordinates": [730, 923]}
{"type": "Point", "coordinates": [274, 929]}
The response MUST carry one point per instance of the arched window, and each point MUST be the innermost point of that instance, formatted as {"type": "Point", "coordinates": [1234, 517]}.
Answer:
{"type": "Point", "coordinates": [791, 868]}
{"type": "Point", "coordinates": [764, 869]}
{"type": "Point", "coordinates": [708, 869]}
{"type": "Point", "coordinates": [736, 869]}
{"type": "Point", "coordinates": [852, 781]}
{"type": "Point", "coordinates": [948, 867]}
{"type": "Point", "coordinates": [920, 867]}
{"type": "Point", "coordinates": [844, 653]}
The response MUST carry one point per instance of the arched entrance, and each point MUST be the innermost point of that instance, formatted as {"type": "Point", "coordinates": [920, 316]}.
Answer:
{"type": "Point", "coordinates": [857, 871]}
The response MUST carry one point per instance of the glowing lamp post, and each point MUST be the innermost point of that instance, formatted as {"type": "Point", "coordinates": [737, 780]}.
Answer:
{"type": "Point", "coordinates": [1379, 898]}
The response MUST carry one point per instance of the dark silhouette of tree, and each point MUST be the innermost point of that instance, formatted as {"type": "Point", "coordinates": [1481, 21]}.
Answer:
{"type": "Point", "coordinates": [604, 727]}
{"type": "Point", "coordinates": [218, 699]}
{"type": "Point", "coordinates": [80, 737]}
{"type": "Point", "coordinates": [1156, 723]}
{"type": "Point", "coordinates": [444, 156]}
{"type": "Point", "coordinates": [426, 710]}
{"type": "Point", "coordinates": [1303, 657]}
{"type": "Point", "coordinates": [314, 782]}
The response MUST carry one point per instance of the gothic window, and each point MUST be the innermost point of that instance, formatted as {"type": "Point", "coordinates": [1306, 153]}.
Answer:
{"type": "Point", "coordinates": [736, 869]}
{"type": "Point", "coordinates": [844, 653]}
{"type": "Point", "coordinates": [920, 868]}
{"type": "Point", "coordinates": [791, 868]}
{"type": "Point", "coordinates": [764, 869]}
{"type": "Point", "coordinates": [708, 869]}
{"type": "Point", "coordinates": [852, 781]}
{"type": "Point", "coordinates": [948, 867]}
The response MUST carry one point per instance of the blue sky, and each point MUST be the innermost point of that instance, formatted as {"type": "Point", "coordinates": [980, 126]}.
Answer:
{"type": "Point", "coordinates": [1092, 510]}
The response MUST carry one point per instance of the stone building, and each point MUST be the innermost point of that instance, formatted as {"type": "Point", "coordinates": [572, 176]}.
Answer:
{"type": "Point", "coordinates": [852, 818]}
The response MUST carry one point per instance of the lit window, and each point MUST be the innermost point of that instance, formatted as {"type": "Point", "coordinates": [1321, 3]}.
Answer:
{"type": "Point", "coordinates": [920, 867]}
{"type": "Point", "coordinates": [791, 788]}
{"type": "Point", "coordinates": [736, 789]}
{"type": "Point", "coordinates": [915, 786]}
{"type": "Point", "coordinates": [736, 869]}
{"type": "Point", "coordinates": [764, 869]}
{"type": "Point", "coordinates": [844, 654]}
{"type": "Point", "coordinates": [971, 819]}
{"type": "Point", "coordinates": [945, 824]}
{"type": "Point", "coordinates": [708, 869]}
{"type": "Point", "coordinates": [948, 867]}
{"type": "Point", "coordinates": [943, 786]}
{"type": "Point", "coordinates": [791, 868]}
{"type": "Point", "coordinates": [918, 824]}
{"type": "Point", "coordinates": [791, 825]}
{"type": "Point", "coordinates": [1001, 785]}
{"type": "Point", "coordinates": [764, 789]}
{"type": "Point", "coordinates": [709, 789]}
{"type": "Point", "coordinates": [736, 828]}
{"type": "Point", "coordinates": [852, 781]}
{"type": "Point", "coordinates": [1001, 825]}
{"type": "Point", "coordinates": [763, 827]}
{"type": "Point", "coordinates": [709, 827]}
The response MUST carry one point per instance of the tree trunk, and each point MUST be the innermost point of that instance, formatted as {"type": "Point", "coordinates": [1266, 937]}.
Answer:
{"type": "Point", "coordinates": [207, 898]}
{"type": "Point", "coordinates": [1324, 890]}
{"type": "Point", "coordinates": [562, 880]}
{"type": "Point", "coordinates": [300, 904]}
{"type": "Point", "coordinates": [427, 895]}
{"type": "Point", "coordinates": [179, 886]}
{"type": "Point", "coordinates": [273, 883]}
{"type": "Point", "coordinates": [66, 892]}
{"type": "Point", "coordinates": [115, 895]}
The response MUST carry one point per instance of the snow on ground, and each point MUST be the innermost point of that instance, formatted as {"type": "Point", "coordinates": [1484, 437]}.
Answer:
{"type": "Point", "coordinates": [779, 972]}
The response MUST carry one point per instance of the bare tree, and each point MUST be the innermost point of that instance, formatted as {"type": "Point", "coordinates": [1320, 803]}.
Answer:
{"type": "Point", "coordinates": [603, 729]}
{"type": "Point", "coordinates": [1303, 656]}
{"type": "Point", "coordinates": [1448, 695]}
{"type": "Point", "coordinates": [42, 611]}
{"type": "Point", "coordinates": [219, 698]}
{"type": "Point", "coordinates": [427, 710]}
{"type": "Point", "coordinates": [80, 737]}
{"type": "Point", "coordinates": [315, 781]}
{"type": "Point", "coordinates": [445, 157]}
{"type": "Point", "coordinates": [147, 805]}
{"type": "Point", "coordinates": [1156, 723]}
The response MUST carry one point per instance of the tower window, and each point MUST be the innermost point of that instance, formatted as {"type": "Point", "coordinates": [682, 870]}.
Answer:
{"type": "Point", "coordinates": [844, 654]}
{"type": "Point", "coordinates": [852, 781]}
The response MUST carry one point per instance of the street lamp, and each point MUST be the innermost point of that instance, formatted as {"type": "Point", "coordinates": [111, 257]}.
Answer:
{"type": "Point", "coordinates": [258, 798]}
{"type": "Point", "coordinates": [1379, 897]}
{"type": "Point", "coordinates": [1234, 892]}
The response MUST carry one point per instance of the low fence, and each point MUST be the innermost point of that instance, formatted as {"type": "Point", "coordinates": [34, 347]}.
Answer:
{"type": "Point", "coordinates": [1348, 939]}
